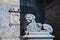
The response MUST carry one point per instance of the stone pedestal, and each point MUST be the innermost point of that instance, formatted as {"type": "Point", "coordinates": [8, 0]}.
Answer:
{"type": "Point", "coordinates": [39, 36]}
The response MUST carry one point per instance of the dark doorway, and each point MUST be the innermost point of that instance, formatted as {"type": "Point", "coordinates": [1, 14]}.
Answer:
{"type": "Point", "coordinates": [31, 7]}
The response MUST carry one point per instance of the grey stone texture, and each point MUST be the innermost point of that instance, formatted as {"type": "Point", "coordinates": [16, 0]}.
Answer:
{"type": "Point", "coordinates": [8, 32]}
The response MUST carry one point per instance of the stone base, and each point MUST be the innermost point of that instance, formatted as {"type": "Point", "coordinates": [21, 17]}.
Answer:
{"type": "Point", "coordinates": [38, 37]}
{"type": "Point", "coordinates": [43, 35]}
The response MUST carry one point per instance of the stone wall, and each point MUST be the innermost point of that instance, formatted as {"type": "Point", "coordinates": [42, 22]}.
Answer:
{"type": "Point", "coordinates": [14, 2]}
{"type": "Point", "coordinates": [7, 31]}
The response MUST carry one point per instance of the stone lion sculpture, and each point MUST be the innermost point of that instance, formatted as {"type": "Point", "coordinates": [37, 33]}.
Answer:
{"type": "Point", "coordinates": [36, 27]}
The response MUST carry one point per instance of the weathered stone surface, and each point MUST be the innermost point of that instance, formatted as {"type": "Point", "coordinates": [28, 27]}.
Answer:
{"type": "Point", "coordinates": [10, 39]}
{"type": "Point", "coordinates": [8, 32]}
{"type": "Point", "coordinates": [14, 2]}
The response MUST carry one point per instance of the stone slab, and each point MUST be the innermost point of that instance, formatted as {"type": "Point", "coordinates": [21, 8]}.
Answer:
{"type": "Point", "coordinates": [38, 37]}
